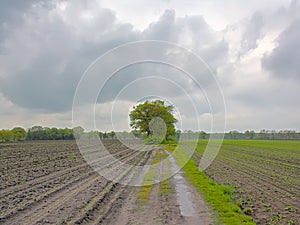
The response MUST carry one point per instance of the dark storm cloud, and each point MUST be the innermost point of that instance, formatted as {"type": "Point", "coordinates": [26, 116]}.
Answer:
{"type": "Point", "coordinates": [59, 47]}
{"type": "Point", "coordinates": [48, 82]}
{"type": "Point", "coordinates": [13, 9]}
{"type": "Point", "coordinates": [13, 13]}
{"type": "Point", "coordinates": [283, 61]}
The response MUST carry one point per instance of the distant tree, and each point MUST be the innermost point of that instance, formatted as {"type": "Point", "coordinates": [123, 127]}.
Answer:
{"type": "Point", "coordinates": [100, 134]}
{"type": "Point", "coordinates": [289, 134]}
{"type": "Point", "coordinates": [202, 134]}
{"type": "Point", "coordinates": [18, 133]}
{"type": "Point", "coordinates": [262, 134]}
{"type": "Point", "coordinates": [66, 134]}
{"type": "Point", "coordinates": [78, 131]}
{"type": "Point", "coordinates": [6, 136]}
{"type": "Point", "coordinates": [105, 135]}
{"type": "Point", "coordinates": [1, 136]}
{"type": "Point", "coordinates": [123, 135]}
{"type": "Point", "coordinates": [190, 134]}
{"type": "Point", "coordinates": [35, 133]}
{"type": "Point", "coordinates": [46, 133]}
{"type": "Point", "coordinates": [151, 116]}
{"type": "Point", "coordinates": [92, 135]}
{"type": "Point", "coordinates": [136, 133]}
{"type": "Point", "coordinates": [233, 134]}
{"type": "Point", "coordinates": [52, 134]}
{"type": "Point", "coordinates": [112, 134]}
{"type": "Point", "coordinates": [249, 134]}
{"type": "Point", "coordinates": [177, 134]}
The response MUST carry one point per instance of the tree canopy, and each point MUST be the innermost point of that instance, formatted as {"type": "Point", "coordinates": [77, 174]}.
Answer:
{"type": "Point", "coordinates": [16, 134]}
{"type": "Point", "coordinates": [154, 118]}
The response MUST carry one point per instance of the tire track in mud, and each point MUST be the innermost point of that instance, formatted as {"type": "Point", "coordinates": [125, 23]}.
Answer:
{"type": "Point", "coordinates": [37, 194]}
{"type": "Point", "coordinates": [165, 207]}
{"type": "Point", "coordinates": [13, 202]}
{"type": "Point", "coordinates": [31, 160]}
{"type": "Point", "coordinates": [78, 191]}
{"type": "Point", "coordinates": [58, 205]}
{"type": "Point", "coordinates": [39, 212]}
{"type": "Point", "coordinates": [39, 180]}
{"type": "Point", "coordinates": [101, 208]}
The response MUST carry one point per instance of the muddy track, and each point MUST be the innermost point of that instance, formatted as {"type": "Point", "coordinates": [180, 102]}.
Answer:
{"type": "Point", "coordinates": [101, 208]}
{"type": "Point", "coordinates": [19, 200]}
{"type": "Point", "coordinates": [172, 201]}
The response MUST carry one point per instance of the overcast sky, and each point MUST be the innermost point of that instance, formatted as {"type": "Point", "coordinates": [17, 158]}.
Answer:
{"type": "Point", "coordinates": [252, 48]}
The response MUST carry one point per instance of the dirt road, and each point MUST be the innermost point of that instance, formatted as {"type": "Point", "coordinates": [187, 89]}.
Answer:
{"type": "Point", "coordinates": [181, 205]}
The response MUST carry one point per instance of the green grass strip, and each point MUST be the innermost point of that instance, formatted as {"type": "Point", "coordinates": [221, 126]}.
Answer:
{"type": "Point", "coordinates": [165, 187]}
{"type": "Point", "coordinates": [219, 197]}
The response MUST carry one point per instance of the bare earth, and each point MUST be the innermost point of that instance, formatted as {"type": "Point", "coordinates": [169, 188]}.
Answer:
{"type": "Point", "coordinates": [50, 183]}
{"type": "Point", "coordinates": [183, 205]}
{"type": "Point", "coordinates": [174, 208]}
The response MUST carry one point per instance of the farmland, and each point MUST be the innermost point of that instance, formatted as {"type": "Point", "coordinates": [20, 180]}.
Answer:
{"type": "Point", "coordinates": [49, 182]}
{"type": "Point", "coordinates": [264, 174]}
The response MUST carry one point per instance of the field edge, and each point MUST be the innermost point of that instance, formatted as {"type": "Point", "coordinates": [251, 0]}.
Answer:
{"type": "Point", "coordinates": [219, 197]}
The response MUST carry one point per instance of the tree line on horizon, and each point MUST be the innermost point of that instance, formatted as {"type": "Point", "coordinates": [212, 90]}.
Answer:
{"type": "Point", "coordinates": [45, 133]}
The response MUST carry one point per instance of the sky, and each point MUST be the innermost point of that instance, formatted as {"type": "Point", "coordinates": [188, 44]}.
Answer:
{"type": "Point", "coordinates": [243, 57]}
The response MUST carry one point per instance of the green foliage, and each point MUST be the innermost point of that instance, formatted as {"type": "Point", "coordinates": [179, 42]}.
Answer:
{"type": "Point", "coordinates": [78, 131]}
{"type": "Point", "coordinates": [46, 133]}
{"type": "Point", "coordinates": [153, 139]}
{"type": "Point", "coordinates": [23, 181]}
{"type": "Point", "coordinates": [72, 156]}
{"type": "Point", "coordinates": [248, 211]}
{"type": "Point", "coordinates": [19, 134]}
{"type": "Point", "coordinates": [154, 119]}
{"type": "Point", "coordinates": [290, 209]}
{"type": "Point", "coordinates": [16, 134]}
{"type": "Point", "coordinates": [165, 187]}
{"type": "Point", "coordinates": [6, 136]}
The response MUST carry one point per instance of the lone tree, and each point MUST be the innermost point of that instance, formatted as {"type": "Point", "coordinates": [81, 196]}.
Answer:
{"type": "Point", "coordinates": [153, 118]}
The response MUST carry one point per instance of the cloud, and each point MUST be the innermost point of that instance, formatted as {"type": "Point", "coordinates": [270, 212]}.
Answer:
{"type": "Point", "coordinates": [191, 32]}
{"type": "Point", "coordinates": [45, 47]}
{"type": "Point", "coordinates": [283, 62]}
{"type": "Point", "coordinates": [252, 32]}
{"type": "Point", "coordinates": [13, 116]}
{"type": "Point", "coordinates": [46, 56]}
{"type": "Point", "coordinates": [11, 10]}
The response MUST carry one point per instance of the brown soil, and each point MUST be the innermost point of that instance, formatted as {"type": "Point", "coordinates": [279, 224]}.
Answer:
{"type": "Point", "coordinates": [266, 182]}
{"type": "Point", "coordinates": [49, 183]}
{"type": "Point", "coordinates": [182, 205]}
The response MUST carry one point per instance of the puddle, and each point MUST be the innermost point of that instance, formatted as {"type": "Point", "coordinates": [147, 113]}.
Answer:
{"type": "Point", "coordinates": [191, 205]}
{"type": "Point", "coordinates": [184, 197]}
